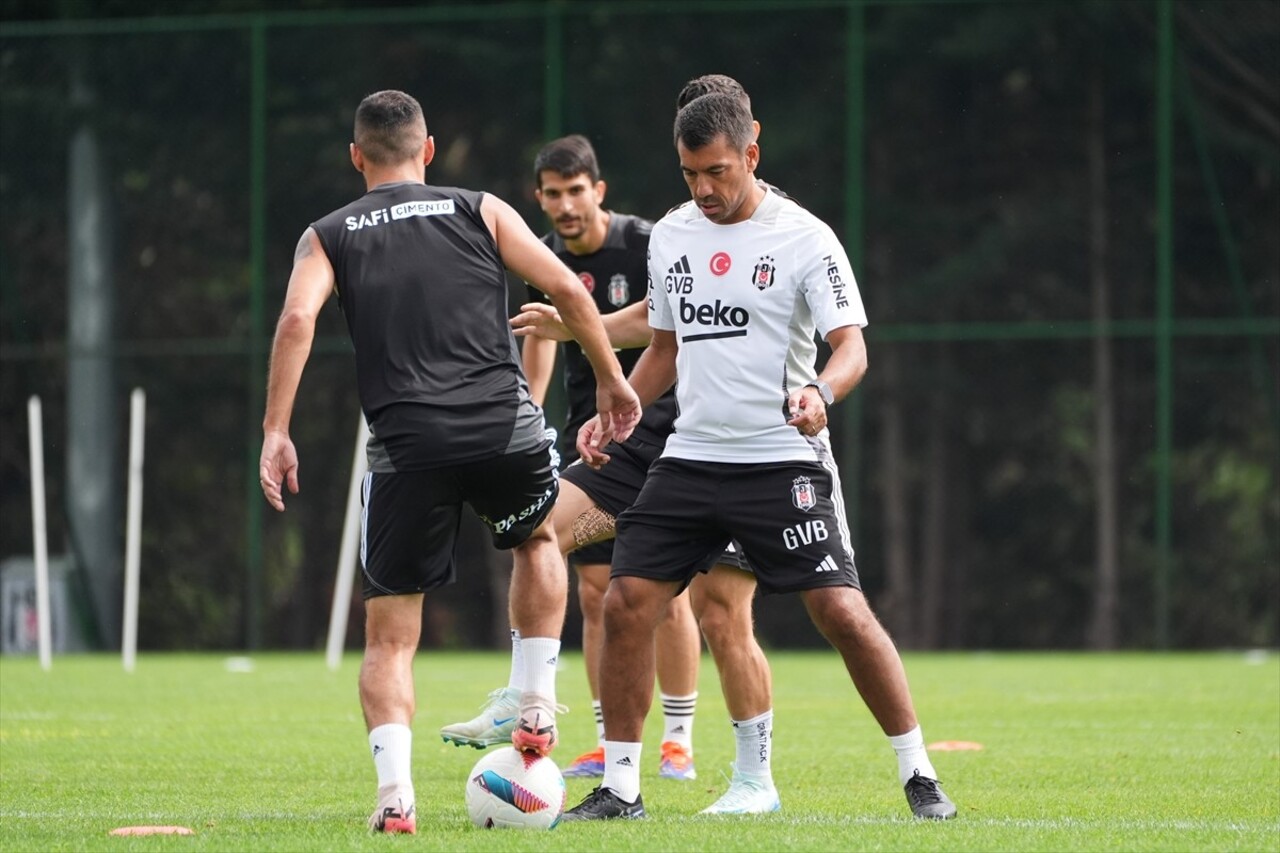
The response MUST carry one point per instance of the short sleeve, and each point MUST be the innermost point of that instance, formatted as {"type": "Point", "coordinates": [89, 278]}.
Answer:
{"type": "Point", "coordinates": [659, 306]}
{"type": "Point", "coordinates": [829, 285]}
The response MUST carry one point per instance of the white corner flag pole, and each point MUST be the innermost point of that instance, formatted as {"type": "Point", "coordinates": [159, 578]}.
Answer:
{"type": "Point", "coordinates": [39, 531]}
{"type": "Point", "coordinates": [345, 579]}
{"type": "Point", "coordinates": [133, 529]}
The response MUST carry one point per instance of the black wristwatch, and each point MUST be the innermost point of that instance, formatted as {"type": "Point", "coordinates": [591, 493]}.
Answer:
{"type": "Point", "coordinates": [824, 391]}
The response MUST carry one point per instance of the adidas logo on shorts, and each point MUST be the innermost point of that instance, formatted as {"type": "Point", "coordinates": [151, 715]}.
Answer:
{"type": "Point", "coordinates": [827, 565]}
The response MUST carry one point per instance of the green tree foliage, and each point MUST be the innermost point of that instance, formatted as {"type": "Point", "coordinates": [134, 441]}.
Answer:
{"type": "Point", "coordinates": [976, 199]}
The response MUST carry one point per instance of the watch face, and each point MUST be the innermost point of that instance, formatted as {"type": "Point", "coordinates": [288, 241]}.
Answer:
{"type": "Point", "coordinates": [824, 391]}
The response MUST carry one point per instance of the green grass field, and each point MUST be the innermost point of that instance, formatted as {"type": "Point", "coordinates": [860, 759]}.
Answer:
{"type": "Point", "coordinates": [1082, 752]}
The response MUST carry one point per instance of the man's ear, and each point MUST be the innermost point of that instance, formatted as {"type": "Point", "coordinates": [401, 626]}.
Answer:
{"type": "Point", "coordinates": [357, 158]}
{"type": "Point", "coordinates": [428, 151]}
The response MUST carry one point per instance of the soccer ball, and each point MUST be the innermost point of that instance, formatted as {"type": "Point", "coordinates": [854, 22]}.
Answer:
{"type": "Point", "coordinates": [509, 789]}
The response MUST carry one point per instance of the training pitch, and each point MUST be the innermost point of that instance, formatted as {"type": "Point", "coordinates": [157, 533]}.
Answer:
{"type": "Point", "coordinates": [1079, 752]}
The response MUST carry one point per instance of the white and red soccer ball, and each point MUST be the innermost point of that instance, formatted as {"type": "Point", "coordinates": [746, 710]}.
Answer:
{"type": "Point", "coordinates": [509, 789]}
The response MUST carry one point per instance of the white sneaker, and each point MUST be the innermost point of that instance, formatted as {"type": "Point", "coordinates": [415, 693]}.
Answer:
{"type": "Point", "coordinates": [749, 793]}
{"type": "Point", "coordinates": [494, 725]}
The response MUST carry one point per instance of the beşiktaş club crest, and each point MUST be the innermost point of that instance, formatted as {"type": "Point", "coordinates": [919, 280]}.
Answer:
{"type": "Point", "coordinates": [763, 275]}
{"type": "Point", "coordinates": [619, 290]}
{"type": "Point", "coordinates": [803, 494]}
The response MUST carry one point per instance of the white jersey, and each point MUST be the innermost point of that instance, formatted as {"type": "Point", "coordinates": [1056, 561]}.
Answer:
{"type": "Point", "coordinates": [744, 301]}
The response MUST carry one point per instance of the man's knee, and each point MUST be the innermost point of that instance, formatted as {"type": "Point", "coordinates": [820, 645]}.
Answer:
{"type": "Point", "coordinates": [632, 603]}
{"type": "Point", "coordinates": [393, 623]}
{"type": "Point", "coordinates": [843, 612]}
{"type": "Point", "coordinates": [678, 612]}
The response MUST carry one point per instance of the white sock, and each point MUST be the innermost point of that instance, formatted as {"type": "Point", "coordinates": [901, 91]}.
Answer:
{"type": "Point", "coordinates": [754, 738]}
{"type": "Point", "coordinates": [516, 680]}
{"type": "Point", "coordinates": [912, 756]}
{"type": "Point", "coordinates": [595, 706]}
{"type": "Point", "coordinates": [622, 769]}
{"type": "Point", "coordinates": [540, 656]}
{"type": "Point", "coordinates": [677, 718]}
{"type": "Point", "coordinates": [392, 747]}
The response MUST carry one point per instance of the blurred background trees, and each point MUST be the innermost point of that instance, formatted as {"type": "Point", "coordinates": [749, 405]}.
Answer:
{"type": "Point", "coordinates": [995, 169]}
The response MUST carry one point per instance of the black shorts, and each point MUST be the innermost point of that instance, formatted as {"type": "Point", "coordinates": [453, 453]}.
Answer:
{"type": "Point", "coordinates": [789, 516]}
{"type": "Point", "coordinates": [410, 520]}
{"type": "Point", "coordinates": [735, 557]}
{"type": "Point", "coordinates": [615, 487]}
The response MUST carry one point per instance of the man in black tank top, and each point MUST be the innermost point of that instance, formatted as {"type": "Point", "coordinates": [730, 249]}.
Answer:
{"type": "Point", "coordinates": [419, 273]}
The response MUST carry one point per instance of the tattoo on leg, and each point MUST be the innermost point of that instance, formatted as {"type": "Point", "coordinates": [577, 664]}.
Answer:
{"type": "Point", "coordinates": [592, 526]}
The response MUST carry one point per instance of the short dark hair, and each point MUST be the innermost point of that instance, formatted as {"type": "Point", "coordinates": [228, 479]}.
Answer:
{"type": "Point", "coordinates": [568, 156]}
{"type": "Point", "coordinates": [707, 117]}
{"type": "Point", "coordinates": [709, 83]}
{"type": "Point", "coordinates": [390, 127]}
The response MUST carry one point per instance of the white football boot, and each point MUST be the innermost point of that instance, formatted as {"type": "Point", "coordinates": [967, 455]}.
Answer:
{"type": "Point", "coordinates": [494, 725]}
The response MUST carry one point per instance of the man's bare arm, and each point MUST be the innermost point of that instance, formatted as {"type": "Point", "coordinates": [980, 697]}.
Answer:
{"type": "Point", "coordinates": [843, 371]}
{"type": "Point", "coordinates": [310, 284]}
{"type": "Point", "coordinates": [526, 256]}
{"type": "Point", "coordinates": [539, 357]}
{"type": "Point", "coordinates": [627, 329]}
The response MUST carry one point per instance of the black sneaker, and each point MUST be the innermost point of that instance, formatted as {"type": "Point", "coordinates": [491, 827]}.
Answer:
{"type": "Point", "coordinates": [603, 804]}
{"type": "Point", "coordinates": [927, 800]}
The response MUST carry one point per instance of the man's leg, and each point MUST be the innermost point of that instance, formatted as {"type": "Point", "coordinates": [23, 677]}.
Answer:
{"type": "Point", "coordinates": [845, 619]}
{"type": "Point", "coordinates": [722, 601]}
{"type": "Point", "coordinates": [593, 580]}
{"type": "Point", "coordinates": [577, 521]}
{"type": "Point", "coordinates": [678, 650]}
{"type": "Point", "coordinates": [580, 522]}
{"type": "Point", "coordinates": [539, 589]}
{"type": "Point", "coordinates": [393, 625]}
{"type": "Point", "coordinates": [632, 609]}
{"type": "Point", "coordinates": [722, 604]}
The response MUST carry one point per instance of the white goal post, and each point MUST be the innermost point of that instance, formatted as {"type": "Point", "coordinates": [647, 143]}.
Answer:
{"type": "Point", "coordinates": [345, 579]}
{"type": "Point", "coordinates": [40, 532]}
{"type": "Point", "coordinates": [133, 530]}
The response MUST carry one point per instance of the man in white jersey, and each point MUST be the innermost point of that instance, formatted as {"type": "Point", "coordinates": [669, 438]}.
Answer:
{"type": "Point", "coordinates": [588, 503]}
{"type": "Point", "coordinates": [739, 281]}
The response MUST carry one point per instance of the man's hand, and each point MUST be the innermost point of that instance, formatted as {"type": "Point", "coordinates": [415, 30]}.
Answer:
{"type": "Point", "coordinates": [590, 448]}
{"type": "Point", "coordinates": [808, 412]}
{"type": "Point", "coordinates": [619, 412]}
{"type": "Point", "coordinates": [277, 467]}
{"type": "Point", "coordinates": [540, 320]}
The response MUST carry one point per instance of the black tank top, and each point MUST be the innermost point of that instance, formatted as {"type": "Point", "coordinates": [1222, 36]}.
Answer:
{"type": "Point", "coordinates": [424, 294]}
{"type": "Point", "coordinates": [616, 275]}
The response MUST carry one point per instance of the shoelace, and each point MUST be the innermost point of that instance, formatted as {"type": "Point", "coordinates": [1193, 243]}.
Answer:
{"type": "Point", "coordinates": [923, 790]}
{"type": "Point", "coordinates": [494, 697]}
{"type": "Point", "coordinates": [741, 790]}
{"type": "Point", "coordinates": [599, 796]}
